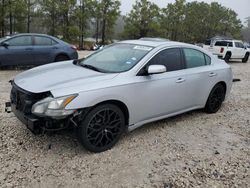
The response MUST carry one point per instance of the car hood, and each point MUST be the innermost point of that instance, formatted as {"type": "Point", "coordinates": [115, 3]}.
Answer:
{"type": "Point", "coordinates": [57, 76]}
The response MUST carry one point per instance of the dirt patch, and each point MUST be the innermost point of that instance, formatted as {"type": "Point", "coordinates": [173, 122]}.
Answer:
{"type": "Point", "coordinates": [193, 149]}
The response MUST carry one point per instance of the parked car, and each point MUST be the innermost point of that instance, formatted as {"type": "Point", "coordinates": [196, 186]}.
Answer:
{"type": "Point", "coordinates": [97, 47]}
{"type": "Point", "coordinates": [34, 49]}
{"type": "Point", "coordinates": [229, 50]}
{"type": "Point", "coordinates": [122, 86]}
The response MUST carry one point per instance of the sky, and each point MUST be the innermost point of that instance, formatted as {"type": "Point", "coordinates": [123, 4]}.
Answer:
{"type": "Point", "coordinates": [241, 7]}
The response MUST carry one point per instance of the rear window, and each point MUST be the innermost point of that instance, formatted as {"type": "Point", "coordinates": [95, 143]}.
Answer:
{"type": "Point", "coordinates": [43, 41]}
{"type": "Point", "coordinates": [223, 43]}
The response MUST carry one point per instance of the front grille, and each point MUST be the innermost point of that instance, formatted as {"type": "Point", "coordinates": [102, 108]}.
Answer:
{"type": "Point", "coordinates": [24, 100]}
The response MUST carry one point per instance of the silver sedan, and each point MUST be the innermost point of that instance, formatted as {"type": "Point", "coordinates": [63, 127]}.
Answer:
{"type": "Point", "coordinates": [122, 86]}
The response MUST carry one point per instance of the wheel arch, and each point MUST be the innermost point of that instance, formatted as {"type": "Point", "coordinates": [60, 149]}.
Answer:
{"type": "Point", "coordinates": [61, 54]}
{"type": "Point", "coordinates": [224, 85]}
{"type": "Point", "coordinates": [119, 104]}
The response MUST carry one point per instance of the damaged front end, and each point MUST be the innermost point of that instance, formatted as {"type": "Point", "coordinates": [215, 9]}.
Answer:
{"type": "Point", "coordinates": [22, 105]}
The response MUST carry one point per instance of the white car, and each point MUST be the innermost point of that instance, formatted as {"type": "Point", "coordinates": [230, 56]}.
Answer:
{"type": "Point", "coordinates": [229, 50]}
{"type": "Point", "coordinates": [122, 86]}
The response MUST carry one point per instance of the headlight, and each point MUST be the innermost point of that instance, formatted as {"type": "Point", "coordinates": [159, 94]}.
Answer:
{"type": "Point", "coordinates": [53, 107]}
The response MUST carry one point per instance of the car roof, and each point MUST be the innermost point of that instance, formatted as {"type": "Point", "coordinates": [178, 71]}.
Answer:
{"type": "Point", "coordinates": [22, 34]}
{"type": "Point", "coordinates": [156, 43]}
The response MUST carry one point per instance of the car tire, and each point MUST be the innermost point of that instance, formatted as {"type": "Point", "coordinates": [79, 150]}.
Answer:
{"type": "Point", "coordinates": [245, 59]}
{"type": "Point", "coordinates": [215, 99]}
{"type": "Point", "coordinates": [227, 57]}
{"type": "Point", "coordinates": [61, 58]}
{"type": "Point", "coordinates": [101, 128]}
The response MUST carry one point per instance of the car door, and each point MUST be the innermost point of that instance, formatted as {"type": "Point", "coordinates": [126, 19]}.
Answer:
{"type": "Point", "coordinates": [239, 50]}
{"type": "Point", "coordinates": [161, 94]}
{"type": "Point", "coordinates": [200, 77]}
{"type": "Point", "coordinates": [19, 51]}
{"type": "Point", "coordinates": [44, 49]}
{"type": "Point", "coordinates": [242, 50]}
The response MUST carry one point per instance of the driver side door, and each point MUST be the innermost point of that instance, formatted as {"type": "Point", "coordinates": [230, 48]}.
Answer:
{"type": "Point", "coordinates": [18, 52]}
{"type": "Point", "coordinates": [161, 94]}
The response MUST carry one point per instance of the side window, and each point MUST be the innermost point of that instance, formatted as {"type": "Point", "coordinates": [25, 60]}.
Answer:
{"type": "Point", "coordinates": [208, 59]}
{"type": "Point", "coordinates": [224, 43]}
{"type": "Point", "coordinates": [239, 45]}
{"type": "Point", "coordinates": [171, 58]}
{"type": "Point", "coordinates": [21, 41]}
{"type": "Point", "coordinates": [42, 41]}
{"type": "Point", "coordinates": [194, 58]}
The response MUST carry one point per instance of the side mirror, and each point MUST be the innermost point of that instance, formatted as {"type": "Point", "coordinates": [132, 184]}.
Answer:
{"type": "Point", "coordinates": [5, 44]}
{"type": "Point", "coordinates": [156, 69]}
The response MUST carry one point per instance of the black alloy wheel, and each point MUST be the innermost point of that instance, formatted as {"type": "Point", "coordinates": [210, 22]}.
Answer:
{"type": "Point", "coordinates": [61, 58]}
{"type": "Point", "coordinates": [227, 57]}
{"type": "Point", "coordinates": [245, 59]}
{"type": "Point", "coordinates": [101, 128]}
{"type": "Point", "coordinates": [215, 99]}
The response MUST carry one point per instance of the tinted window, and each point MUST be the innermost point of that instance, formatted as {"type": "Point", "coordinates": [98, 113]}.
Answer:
{"type": "Point", "coordinates": [171, 58]}
{"type": "Point", "coordinates": [208, 60]}
{"type": "Point", "coordinates": [42, 41]}
{"type": "Point", "coordinates": [239, 45]}
{"type": "Point", "coordinates": [194, 58]}
{"type": "Point", "coordinates": [21, 41]}
{"type": "Point", "coordinates": [224, 43]}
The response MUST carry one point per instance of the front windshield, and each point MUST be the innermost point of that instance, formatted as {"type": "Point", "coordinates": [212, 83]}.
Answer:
{"type": "Point", "coordinates": [116, 58]}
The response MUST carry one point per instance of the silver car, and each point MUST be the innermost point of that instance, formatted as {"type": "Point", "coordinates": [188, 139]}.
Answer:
{"type": "Point", "coordinates": [118, 88]}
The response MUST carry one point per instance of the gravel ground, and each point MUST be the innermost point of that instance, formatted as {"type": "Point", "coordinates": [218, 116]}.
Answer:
{"type": "Point", "coordinates": [192, 150]}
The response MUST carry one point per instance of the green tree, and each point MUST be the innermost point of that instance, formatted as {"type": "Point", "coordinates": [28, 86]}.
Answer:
{"type": "Point", "coordinates": [49, 9]}
{"type": "Point", "coordinates": [196, 21]}
{"type": "Point", "coordinates": [142, 21]}
{"type": "Point", "coordinates": [110, 11]}
{"type": "Point", "coordinates": [66, 9]}
{"type": "Point", "coordinates": [246, 30]}
{"type": "Point", "coordinates": [172, 20]}
{"type": "Point", "coordinates": [2, 17]}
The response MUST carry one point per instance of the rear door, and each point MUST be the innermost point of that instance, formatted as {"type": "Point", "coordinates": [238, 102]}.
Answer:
{"type": "Point", "coordinates": [18, 52]}
{"type": "Point", "coordinates": [200, 76]}
{"type": "Point", "coordinates": [44, 49]}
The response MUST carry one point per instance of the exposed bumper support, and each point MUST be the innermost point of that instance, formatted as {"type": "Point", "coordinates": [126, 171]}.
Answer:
{"type": "Point", "coordinates": [8, 107]}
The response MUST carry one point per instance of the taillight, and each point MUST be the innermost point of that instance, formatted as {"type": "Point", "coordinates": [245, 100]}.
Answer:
{"type": "Point", "coordinates": [73, 47]}
{"type": "Point", "coordinates": [221, 50]}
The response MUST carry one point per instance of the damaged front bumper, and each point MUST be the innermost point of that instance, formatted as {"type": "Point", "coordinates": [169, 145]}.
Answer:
{"type": "Point", "coordinates": [36, 124]}
{"type": "Point", "coordinates": [31, 122]}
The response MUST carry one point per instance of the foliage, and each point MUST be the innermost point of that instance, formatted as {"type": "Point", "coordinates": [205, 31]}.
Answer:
{"type": "Point", "coordinates": [142, 21]}
{"type": "Point", "coordinates": [74, 20]}
{"type": "Point", "coordinates": [246, 31]}
{"type": "Point", "coordinates": [181, 21]}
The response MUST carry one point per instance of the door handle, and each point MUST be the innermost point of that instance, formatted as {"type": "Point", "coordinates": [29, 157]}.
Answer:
{"type": "Point", "coordinates": [212, 74]}
{"type": "Point", "coordinates": [180, 80]}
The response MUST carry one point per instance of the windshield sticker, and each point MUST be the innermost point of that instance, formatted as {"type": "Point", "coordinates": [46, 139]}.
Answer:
{"type": "Point", "coordinates": [145, 48]}
{"type": "Point", "coordinates": [134, 58]}
{"type": "Point", "coordinates": [128, 62]}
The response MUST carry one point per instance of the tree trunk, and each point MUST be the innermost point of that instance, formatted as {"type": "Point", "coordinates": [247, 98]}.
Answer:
{"type": "Point", "coordinates": [97, 30]}
{"type": "Point", "coordinates": [103, 30]}
{"type": "Point", "coordinates": [28, 17]}
{"type": "Point", "coordinates": [104, 21]}
{"type": "Point", "coordinates": [10, 18]}
{"type": "Point", "coordinates": [82, 25]}
{"type": "Point", "coordinates": [2, 21]}
{"type": "Point", "coordinates": [53, 19]}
